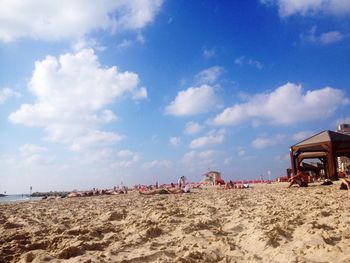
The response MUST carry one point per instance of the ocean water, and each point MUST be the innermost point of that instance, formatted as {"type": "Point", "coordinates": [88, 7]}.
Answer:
{"type": "Point", "coordinates": [17, 198]}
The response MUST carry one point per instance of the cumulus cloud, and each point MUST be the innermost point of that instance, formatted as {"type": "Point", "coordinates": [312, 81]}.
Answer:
{"type": "Point", "coordinates": [126, 43]}
{"type": "Point", "coordinates": [193, 100]}
{"type": "Point", "coordinates": [287, 104]}
{"type": "Point", "coordinates": [126, 159]}
{"type": "Point", "coordinates": [331, 37]}
{"type": "Point", "coordinates": [85, 43]}
{"type": "Point", "coordinates": [263, 142]}
{"type": "Point", "coordinates": [95, 139]}
{"type": "Point", "coordinates": [310, 7]}
{"type": "Point", "coordinates": [192, 128]}
{"type": "Point", "coordinates": [55, 20]}
{"type": "Point", "coordinates": [260, 143]}
{"type": "Point", "coordinates": [249, 61]}
{"type": "Point", "coordinates": [7, 93]}
{"type": "Point", "coordinates": [323, 38]}
{"type": "Point", "coordinates": [213, 137]}
{"type": "Point", "coordinates": [241, 151]}
{"type": "Point", "coordinates": [209, 75]}
{"type": "Point", "coordinates": [175, 141]}
{"type": "Point", "coordinates": [193, 155]}
{"type": "Point", "coordinates": [195, 161]}
{"type": "Point", "coordinates": [72, 93]}
{"type": "Point", "coordinates": [157, 164]}
{"type": "Point", "coordinates": [32, 154]}
{"type": "Point", "coordinates": [208, 53]}
{"type": "Point", "coordinates": [228, 160]}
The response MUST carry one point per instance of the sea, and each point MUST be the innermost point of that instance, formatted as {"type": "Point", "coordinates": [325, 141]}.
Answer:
{"type": "Point", "coordinates": [17, 198]}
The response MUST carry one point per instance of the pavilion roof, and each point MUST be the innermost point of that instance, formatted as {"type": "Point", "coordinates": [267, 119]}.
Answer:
{"type": "Point", "coordinates": [323, 137]}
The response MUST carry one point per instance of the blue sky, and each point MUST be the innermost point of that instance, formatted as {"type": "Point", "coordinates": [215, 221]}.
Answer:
{"type": "Point", "coordinates": [94, 94]}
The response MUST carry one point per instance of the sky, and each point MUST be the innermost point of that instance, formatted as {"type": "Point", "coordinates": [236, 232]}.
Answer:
{"type": "Point", "coordinates": [103, 93]}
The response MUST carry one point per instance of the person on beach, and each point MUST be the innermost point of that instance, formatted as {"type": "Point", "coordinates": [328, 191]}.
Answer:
{"type": "Point", "coordinates": [181, 182]}
{"type": "Point", "coordinates": [345, 184]}
{"type": "Point", "coordinates": [300, 178]}
{"type": "Point", "coordinates": [229, 185]}
{"type": "Point", "coordinates": [162, 191]}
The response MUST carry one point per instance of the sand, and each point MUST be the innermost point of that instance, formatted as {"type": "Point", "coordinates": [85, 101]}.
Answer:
{"type": "Point", "coordinates": [268, 223]}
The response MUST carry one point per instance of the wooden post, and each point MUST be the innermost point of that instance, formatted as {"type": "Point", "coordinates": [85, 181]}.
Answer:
{"type": "Point", "coordinates": [292, 160]}
{"type": "Point", "coordinates": [332, 173]}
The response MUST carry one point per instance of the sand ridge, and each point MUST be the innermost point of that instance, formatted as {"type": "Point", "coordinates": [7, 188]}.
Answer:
{"type": "Point", "coordinates": [267, 223]}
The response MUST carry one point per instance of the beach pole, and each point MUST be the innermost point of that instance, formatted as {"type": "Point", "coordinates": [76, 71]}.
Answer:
{"type": "Point", "coordinates": [30, 191]}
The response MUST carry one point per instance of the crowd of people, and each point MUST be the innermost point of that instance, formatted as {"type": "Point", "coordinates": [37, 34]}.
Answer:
{"type": "Point", "coordinates": [96, 192]}
{"type": "Point", "coordinates": [302, 179]}
{"type": "Point", "coordinates": [182, 187]}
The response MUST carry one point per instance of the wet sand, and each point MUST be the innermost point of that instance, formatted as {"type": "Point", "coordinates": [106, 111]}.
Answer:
{"type": "Point", "coordinates": [267, 223]}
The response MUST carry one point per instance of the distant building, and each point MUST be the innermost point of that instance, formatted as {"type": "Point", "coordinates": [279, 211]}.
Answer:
{"type": "Point", "coordinates": [344, 162]}
{"type": "Point", "coordinates": [344, 128]}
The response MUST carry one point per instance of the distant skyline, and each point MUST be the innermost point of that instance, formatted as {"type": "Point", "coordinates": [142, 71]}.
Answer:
{"type": "Point", "coordinates": [95, 93]}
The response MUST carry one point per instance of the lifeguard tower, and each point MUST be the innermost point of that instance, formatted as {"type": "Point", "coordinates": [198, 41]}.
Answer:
{"type": "Point", "coordinates": [212, 178]}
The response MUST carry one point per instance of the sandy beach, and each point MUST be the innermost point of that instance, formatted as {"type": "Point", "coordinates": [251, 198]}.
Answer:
{"type": "Point", "coordinates": [267, 223]}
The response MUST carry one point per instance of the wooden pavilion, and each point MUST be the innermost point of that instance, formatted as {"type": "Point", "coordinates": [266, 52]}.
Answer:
{"type": "Point", "coordinates": [325, 146]}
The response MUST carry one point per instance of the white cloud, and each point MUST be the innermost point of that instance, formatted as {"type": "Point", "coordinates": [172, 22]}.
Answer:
{"type": "Point", "coordinates": [125, 153]}
{"type": "Point", "coordinates": [199, 161]}
{"type": "Point", "coordinates": [193, 100]}
{"type": "Point", "coordinates": [140, 94]}
{"type": "Point", "coordinates": [7, 93]}
{"type": "Point", "coordinates": [95, 139]}
{"type": "Point", "coordinates": [86, 43]}
{"type": "Point", "coordinates": [175, 141]}
{"type": "Point", "coordinates": [323, 38]}
{"type": "Point", "coordinates": [72, 94]}
{"type": "Point", "coordinates": [285, 105]}
{"type": "Point", "coordinates": [213, 137]}
{"type": "Point", "coordinates": [255, 63]}
{"type": "Point", "coordinates": [302, 135]}
{"type": "Point", "coordinates": [260, 143]}
{"type": "Point", "coordinates": [126, 43]}
{"type": "Point", "coordinates": [240, 60]}
{"type": "Point", "coordinates": [248, 61]}
{"type": "Point", "coordinates": [263, 142]}
{"type": "Point", "coordinates": [140, 38]}
{"type": "Point", "coordinates": [32, 154]}
{"type": "Point", "coordinates": [107, 116]}
{"type": "Point", "coordinates": [192, 128]}
{"type": "Point", "coordinates": [228, 160]}
{"type": "Point", "coordinates": [209, 75]}
{"type": "Point", "coordinates": [122, 164]}
{"type": "Point", "coordinates": [241, 152]}
{"type": "Point", "coordinates": [157, 164]}
{"type": "Point", "coordinates": [199, 156]}
{"type": "Point", "coordinates": [208, 53]}
{"type": "Point", "coordinates": [55, 20]}
{"type": "Point", "coordinates": [128, 158]}
{"type": "Point", "coordinates": [29, 149]}
{"type": "Point", "coordinates": [331, 37]}
{"type": "Point", "coordinates": [303, 7]}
